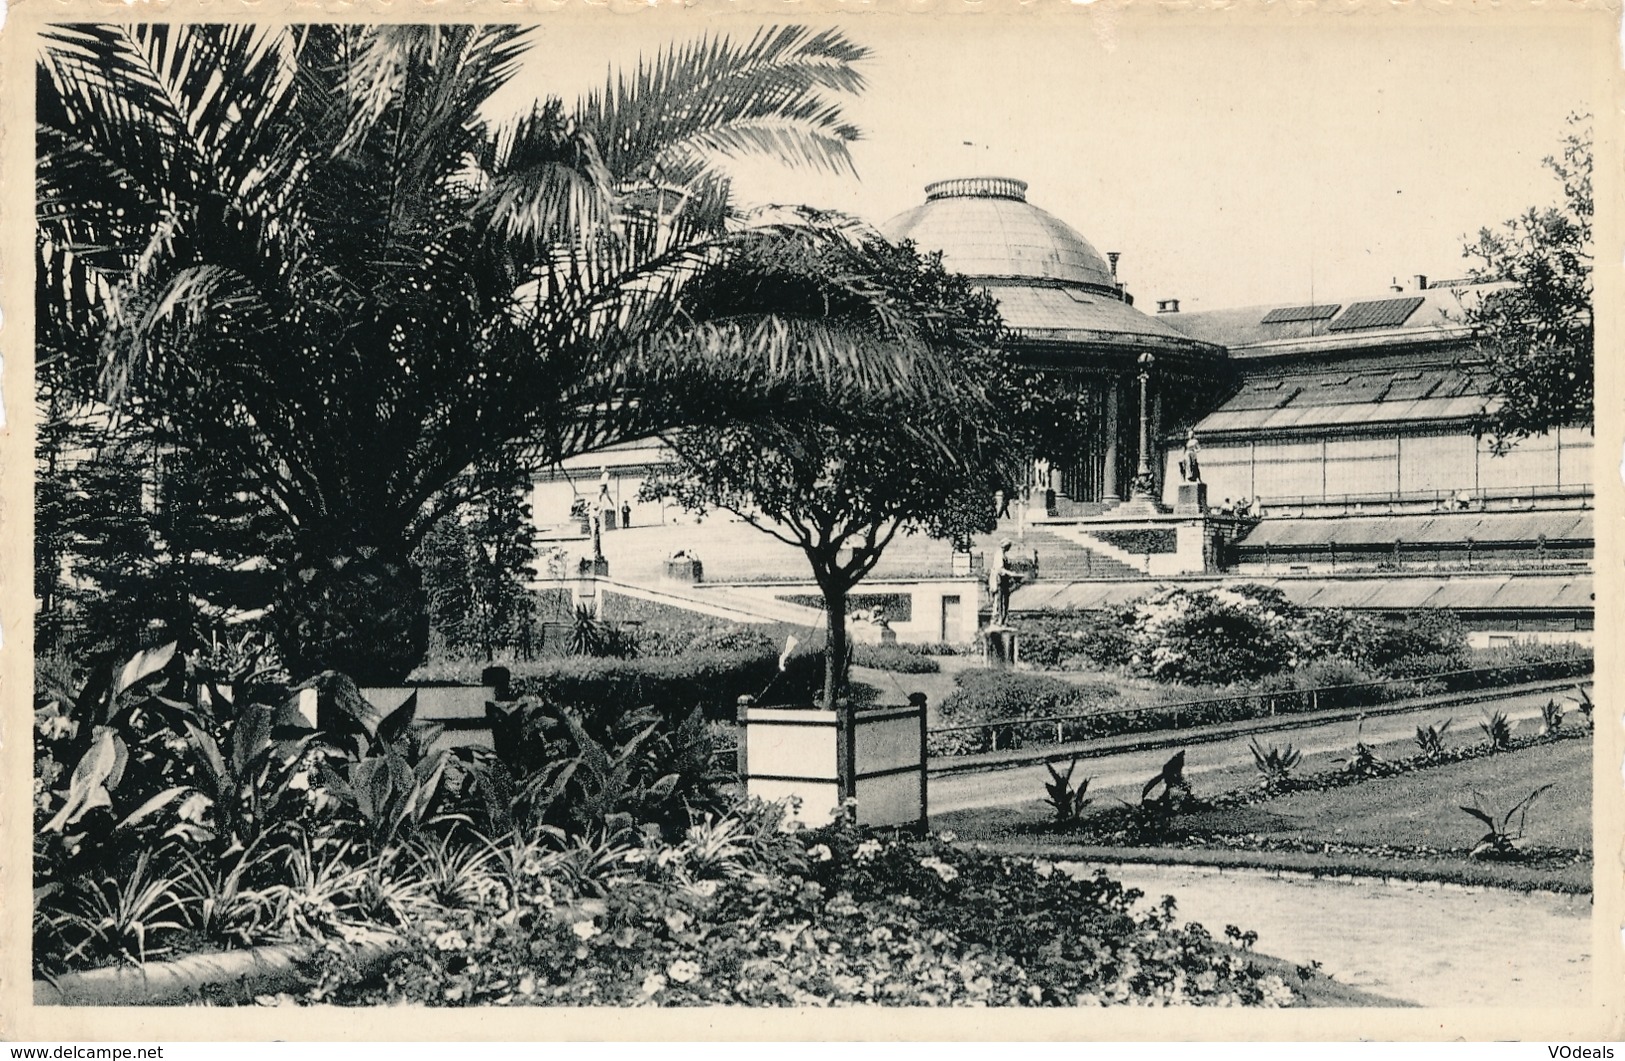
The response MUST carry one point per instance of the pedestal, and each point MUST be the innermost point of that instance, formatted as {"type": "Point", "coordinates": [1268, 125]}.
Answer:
{"type": "Point", "coordinates": [999, 649]}
{"type": "Point", "coordinates": [1192, 499]}
{"type": "Point", "coordinates": [688, 570]}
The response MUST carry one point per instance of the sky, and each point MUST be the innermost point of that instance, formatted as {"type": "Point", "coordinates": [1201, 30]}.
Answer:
{"type": "Point", "coordinates": [1231, 164]}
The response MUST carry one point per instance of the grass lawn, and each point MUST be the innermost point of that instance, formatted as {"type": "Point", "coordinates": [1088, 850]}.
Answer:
{"type": "Point", "coordinates": [1410, 825]}
{"type": "Point", "coordinates": [1421, 809]}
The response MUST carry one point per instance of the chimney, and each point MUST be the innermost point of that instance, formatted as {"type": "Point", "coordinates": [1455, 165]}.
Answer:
{"type": "Point", "coordinates": [1112, 257]}
{"type": "Point", "coordinates": [1167, 305]}
{"type": "Point", "coordinates": [1395, 286]}
{"type": "Point", "coordinates": [1421, 282]}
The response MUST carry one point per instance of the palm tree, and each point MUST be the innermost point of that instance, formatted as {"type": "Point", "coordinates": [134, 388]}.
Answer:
{"type": "Point", "coordinates": [302, 254]}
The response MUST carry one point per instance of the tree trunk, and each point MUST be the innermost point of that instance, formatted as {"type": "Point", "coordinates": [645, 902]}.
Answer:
{"type": "Point", "coordinates": [835, 644]}
{"type": "Point", "coordinates": [351, 608]}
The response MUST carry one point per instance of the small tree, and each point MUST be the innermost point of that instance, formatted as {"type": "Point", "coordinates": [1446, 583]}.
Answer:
{"type": "Point", "coordinates": [841, 483]}
{"type": "Point", "coordinates": [840, 494]}
{"type": "Point", "coordinates": [1536, 333]}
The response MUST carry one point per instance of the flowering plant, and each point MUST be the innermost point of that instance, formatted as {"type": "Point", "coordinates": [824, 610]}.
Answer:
{"type": "Point", "coordinates": [820, 918]}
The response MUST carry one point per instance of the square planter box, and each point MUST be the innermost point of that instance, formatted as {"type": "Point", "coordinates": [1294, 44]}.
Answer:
{"type": "Point", "coordinates": [873, 756]}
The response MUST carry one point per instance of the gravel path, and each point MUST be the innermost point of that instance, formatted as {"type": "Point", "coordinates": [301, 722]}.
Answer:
{"type": "Point", "coordinates": [1430, 944]}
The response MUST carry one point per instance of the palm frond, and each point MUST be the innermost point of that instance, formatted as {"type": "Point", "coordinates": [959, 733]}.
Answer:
{"type": "Point", "coordinates": [546, 183]}
{"type": "Point", "coordinates": [675, 109]}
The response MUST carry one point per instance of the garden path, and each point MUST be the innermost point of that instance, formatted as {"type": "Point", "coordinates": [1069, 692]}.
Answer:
{"type": "Point", "coordinates": [1426, 943]}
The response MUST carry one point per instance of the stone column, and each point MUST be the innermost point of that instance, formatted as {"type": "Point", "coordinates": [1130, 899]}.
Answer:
{"type": "Point", "coordinates": [1159, 460]}
{"type": "Point", "coordinates": [1109, 488]}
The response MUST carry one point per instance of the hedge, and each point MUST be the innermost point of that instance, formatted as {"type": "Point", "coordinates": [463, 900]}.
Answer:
{"type": "Point", "coordinates": [1004, 702]}
{"type": "Point", "coordinates": [675, 685]}
{"type": "Point", "coordinates": [903, 660]}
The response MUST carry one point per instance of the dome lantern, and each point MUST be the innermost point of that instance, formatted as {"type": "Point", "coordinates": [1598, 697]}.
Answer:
{"type": "Point", "coordinates": [986, 228]}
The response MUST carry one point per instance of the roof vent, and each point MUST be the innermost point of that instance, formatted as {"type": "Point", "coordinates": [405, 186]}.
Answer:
{"type": "Point", "coordinates": [1167, 305]}
{"type": "Point", "coordinates": [977, 188]}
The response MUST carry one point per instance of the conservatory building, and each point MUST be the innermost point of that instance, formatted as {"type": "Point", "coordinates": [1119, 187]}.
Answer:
{"type": "Point", "coordinates": [1328, 448]}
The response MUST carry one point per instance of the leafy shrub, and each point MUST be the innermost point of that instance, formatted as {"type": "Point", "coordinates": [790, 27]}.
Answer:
{"type": "Point", "coordinates": [1520, 652]}
{"type": "Point", "coordinates": [1005, 699]}
{"type": "Point", "coordinates": [1497, 730]}
{"type": "Point", "coordinates": [556, 768]}
{"type": "Point", "coordinates": [1424, 666]}
{"type": "Point", "coordinates": [1067, 800]}
{"type": "Point", "coordinates": [1429, 641]}
{"type": "Point", "coordinates": [1501, 842]}
{"type": "Point", "coordinates": [740, 912]}
{"type": "Point", "coordinates": [1040, 647]}
{"type": "Point", "coordinates": [1551, 717]}
{"type": "Point", "coordinates": [893, 658]}
{"type": "Point", "coordinates": [1430, 739]}
{"type": "Point", "coordinates": [1249, 633]}
{"type": "Point", "coordinates": [1010, 696]}
{"type": "Point", "coordinates": [712, 680]}
{"type": "Point", "coordinates": [1274, 765]}
{"type": "Point", "coordinates": [1341, 634]}
{"type": "Point", "coordinates": [153, 771]}
{"type": "Point", "coordinates": [1335, 671]}
{"type": "Point", "coordinates": [1364, 762]}
{"type": "Point", "coordinates": [168, 799]}
{"type": "Point", "coordinates": [1219, 636]}
{"type": "Point", "coordinates": [1099, 639]}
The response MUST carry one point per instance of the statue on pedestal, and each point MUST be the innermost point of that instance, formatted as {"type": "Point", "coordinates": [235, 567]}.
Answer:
{"type": "Point", "coordinates": [1001, 579]}
{"type": "Point", "coordinates": [1189, 469]}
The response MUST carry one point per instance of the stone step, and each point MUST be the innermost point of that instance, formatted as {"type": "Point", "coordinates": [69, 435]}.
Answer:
{"type": "Point", "coordinates": [1061, 558]}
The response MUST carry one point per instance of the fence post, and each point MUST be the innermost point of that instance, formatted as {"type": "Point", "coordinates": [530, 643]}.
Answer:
{"type": "Point", "coordinates": [1314, 699]}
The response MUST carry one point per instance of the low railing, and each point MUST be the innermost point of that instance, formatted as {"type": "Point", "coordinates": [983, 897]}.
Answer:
{"type": "Point", "coordinates": [1441, 498]}
{"type": "Point", "coordinates": [975, 738]}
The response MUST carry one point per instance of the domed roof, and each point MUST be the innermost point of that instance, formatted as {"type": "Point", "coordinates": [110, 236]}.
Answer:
{"type": "Point", "coordinates": [985, 227]}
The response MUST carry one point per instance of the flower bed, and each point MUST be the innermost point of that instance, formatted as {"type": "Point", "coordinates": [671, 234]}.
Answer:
{"type": "Point", "coordinates": [588, 857]}
{"type": "Point", "coordinates": [742, 913]}
{"type": "Point", "coordinates": [1207, 820]}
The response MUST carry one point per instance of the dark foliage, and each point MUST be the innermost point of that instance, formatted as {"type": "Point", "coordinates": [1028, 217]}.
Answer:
{"type": "Point", "coordinates": [709, 679]}
{"type": "Point", "coordinates": [1537, 331]}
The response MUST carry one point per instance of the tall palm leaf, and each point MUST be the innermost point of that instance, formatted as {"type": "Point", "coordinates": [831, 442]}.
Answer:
{"type": "Point", "coordinates": [314, 263]}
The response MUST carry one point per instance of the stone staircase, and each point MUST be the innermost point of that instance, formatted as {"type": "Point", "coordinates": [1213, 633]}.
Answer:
{"type": "Point", "coordinates": [1062, 559]}
{"type": "Point", "coordinates": [1103, 549]}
